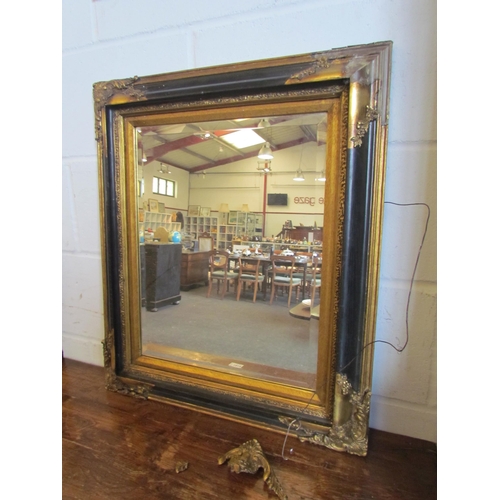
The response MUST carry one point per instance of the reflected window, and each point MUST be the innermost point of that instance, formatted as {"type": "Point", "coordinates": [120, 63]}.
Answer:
{"type": "Point", "coordinates": [163, 186]}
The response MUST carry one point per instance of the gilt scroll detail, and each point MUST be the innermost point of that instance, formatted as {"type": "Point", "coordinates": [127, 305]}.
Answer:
{"type": "Point", "coordinates": [362, 126]}
{"type": "Point", "coordinates": [322, 68]}
{"type": "Point", "coordinates": [181, 466]}
{"type": "Point", "coordinates": [115, 384]}
{"type": "Point", "coordinates": [107, 349]}
{"type": "Point", "coordinates": [114, 92]}
{"type": "Point", "coordinates": [352, 436]}
{"type": "Point", "coordinates": [249, 457]}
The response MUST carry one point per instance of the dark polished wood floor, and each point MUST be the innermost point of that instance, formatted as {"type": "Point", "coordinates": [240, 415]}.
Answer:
{"type": "Point", "coordinates": [116, 446]}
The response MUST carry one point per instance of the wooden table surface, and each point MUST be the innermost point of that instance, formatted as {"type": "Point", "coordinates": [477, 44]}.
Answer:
{"type": "Point", "coordinates": [120, 447]}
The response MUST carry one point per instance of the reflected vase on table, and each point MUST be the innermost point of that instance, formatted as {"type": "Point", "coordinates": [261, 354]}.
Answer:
{"type": "Point", "coordinates": [175, 237]}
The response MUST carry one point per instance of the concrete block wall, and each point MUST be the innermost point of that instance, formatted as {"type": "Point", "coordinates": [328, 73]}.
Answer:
{"type": "Point", "coordinates": [108, 39]}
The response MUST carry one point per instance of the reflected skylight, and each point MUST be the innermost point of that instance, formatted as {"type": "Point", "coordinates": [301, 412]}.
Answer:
{"type": "Point", "coordinates": [243, 138]}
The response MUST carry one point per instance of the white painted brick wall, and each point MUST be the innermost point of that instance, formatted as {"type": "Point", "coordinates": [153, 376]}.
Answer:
{"type": "Point", "coordinates": [110, 39]}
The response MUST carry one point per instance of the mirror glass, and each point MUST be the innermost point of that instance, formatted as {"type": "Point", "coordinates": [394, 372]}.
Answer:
{"type": "Point", "coordinates": [203, 185]}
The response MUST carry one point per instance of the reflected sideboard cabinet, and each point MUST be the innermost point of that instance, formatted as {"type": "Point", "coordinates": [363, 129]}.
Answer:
{"type": "Point", "coordinates": [194, 269]}
{"type": "Point", "coordinates": [300, 233]}
{"type": "Point", "coordinates": [163, 274]}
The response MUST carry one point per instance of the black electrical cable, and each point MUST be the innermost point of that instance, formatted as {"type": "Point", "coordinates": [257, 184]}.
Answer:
{"type": "Point", "coordinates": [400, 349]}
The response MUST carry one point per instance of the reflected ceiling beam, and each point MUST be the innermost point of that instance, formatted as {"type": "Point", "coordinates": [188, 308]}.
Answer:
{"type": "Point", "coordinates": [196, 155]}
{"type": "Point", "coordinates": [185, 142]}
{"type": "Point", "coordinates": [171, 163]}
{"type": "Point", "coordinates": [205, 159]}
{"type": "Point", "coordinates": [214, 135]}
{"type": "Point", "coordinates": [307, 132]}
{"type": "Point", "coordinates": [163, 149]}
{"type": "Point", "coordinates": [220, 133]}
{"type": "Point", "coordinates": [184, 150]}
{"type": "Point", "coordinates": [197, 137]}
{"type": "Point", "coordinates": [250, 154]}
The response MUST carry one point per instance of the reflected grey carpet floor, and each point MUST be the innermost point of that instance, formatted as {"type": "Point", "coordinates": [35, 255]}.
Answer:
{"type": "Point", "coordinates": [241, 331]}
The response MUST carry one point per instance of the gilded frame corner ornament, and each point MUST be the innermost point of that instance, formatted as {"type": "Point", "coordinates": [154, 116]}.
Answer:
{"type": "Point", "coordinates": [350, 436]}
{"type": "Point", "coordinates": [362, 126]}
{"type": "Point", "coordinates": [249, 457]}
{"type": "Point", "coordinates": [359, 77]}
{"type": "Point", "coordinates": [113, 92]}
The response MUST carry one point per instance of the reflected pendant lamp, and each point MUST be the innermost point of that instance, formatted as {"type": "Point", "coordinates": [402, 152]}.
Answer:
{"type": "Point", "coordinates": [299, 176]}
{"type": "Point", "coordinates": [265, 152]}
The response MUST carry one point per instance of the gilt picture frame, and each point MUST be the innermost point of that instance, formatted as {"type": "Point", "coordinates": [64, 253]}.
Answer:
{"type": "Point", "coordinates": [351, 86]}
{"type": "Point", "coordinates": [193, 210]}
{"type": "Point", "coordinates": [153, 205]}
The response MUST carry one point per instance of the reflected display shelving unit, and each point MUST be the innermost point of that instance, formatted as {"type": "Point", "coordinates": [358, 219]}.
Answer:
{"type": "Point", "coordinates": [268, 247]}
{"type": "Point", "coordinates": [235, 225]}
{"type": "Point", "coordinates": [225, 236]}
{"type": "Point", "coordinates": [197, 226]}
{"type": "Point", "coordinates": [153, 220]}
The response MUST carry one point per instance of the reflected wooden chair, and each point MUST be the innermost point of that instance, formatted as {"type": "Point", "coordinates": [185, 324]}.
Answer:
{"type": "Point", "coordinates": [306, 274]}
{"type": "Point", "coordinates": [249, 273]}
{"type": "Point", "coordinates": [218, 269]}
{"type": "Point", "coordinates": [299, 270]}
{"type": "Point", "coordinates": [313, 278]}
{"type": "Point", "coordinates": [205, 243]}
{"type": "Point", "coordinates": [282, 269]}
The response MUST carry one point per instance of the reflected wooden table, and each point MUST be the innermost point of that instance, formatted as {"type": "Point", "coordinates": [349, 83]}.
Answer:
{"type": "Point", "coordinates": [303, 311]}
{"type": "Point", "coordinates": [266, 262]}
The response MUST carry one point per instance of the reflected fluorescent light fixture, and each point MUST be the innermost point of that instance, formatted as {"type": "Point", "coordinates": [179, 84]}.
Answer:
{"type": "Point", "coordinates": [264, 166]}
{"type": "Point", "coordinates": [321, 177]}
{"type": "Point", "coordinates": [299, 176]}
{"type": "Point", "coordinates": [243, 138]}
{"type": "Point", "coordinates": [265, 152]}
{"type": "Point", "coordinates": [162, 169]}
{"type": "Point", "coordinates": [203, 134]}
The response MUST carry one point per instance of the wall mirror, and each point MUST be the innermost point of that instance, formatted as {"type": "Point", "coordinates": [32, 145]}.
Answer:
{"type": "Point", "coordinates": [183, 168]}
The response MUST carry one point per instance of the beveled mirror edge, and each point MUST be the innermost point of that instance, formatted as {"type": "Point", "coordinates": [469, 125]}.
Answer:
{"type": "Point", "coordinates": [352, 407]}
{"type": "Point", "coordinates": [374, 263]}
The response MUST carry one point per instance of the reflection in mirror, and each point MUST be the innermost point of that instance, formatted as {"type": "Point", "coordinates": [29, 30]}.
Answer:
{"type": "Point", "coordinates": [253, 188]}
